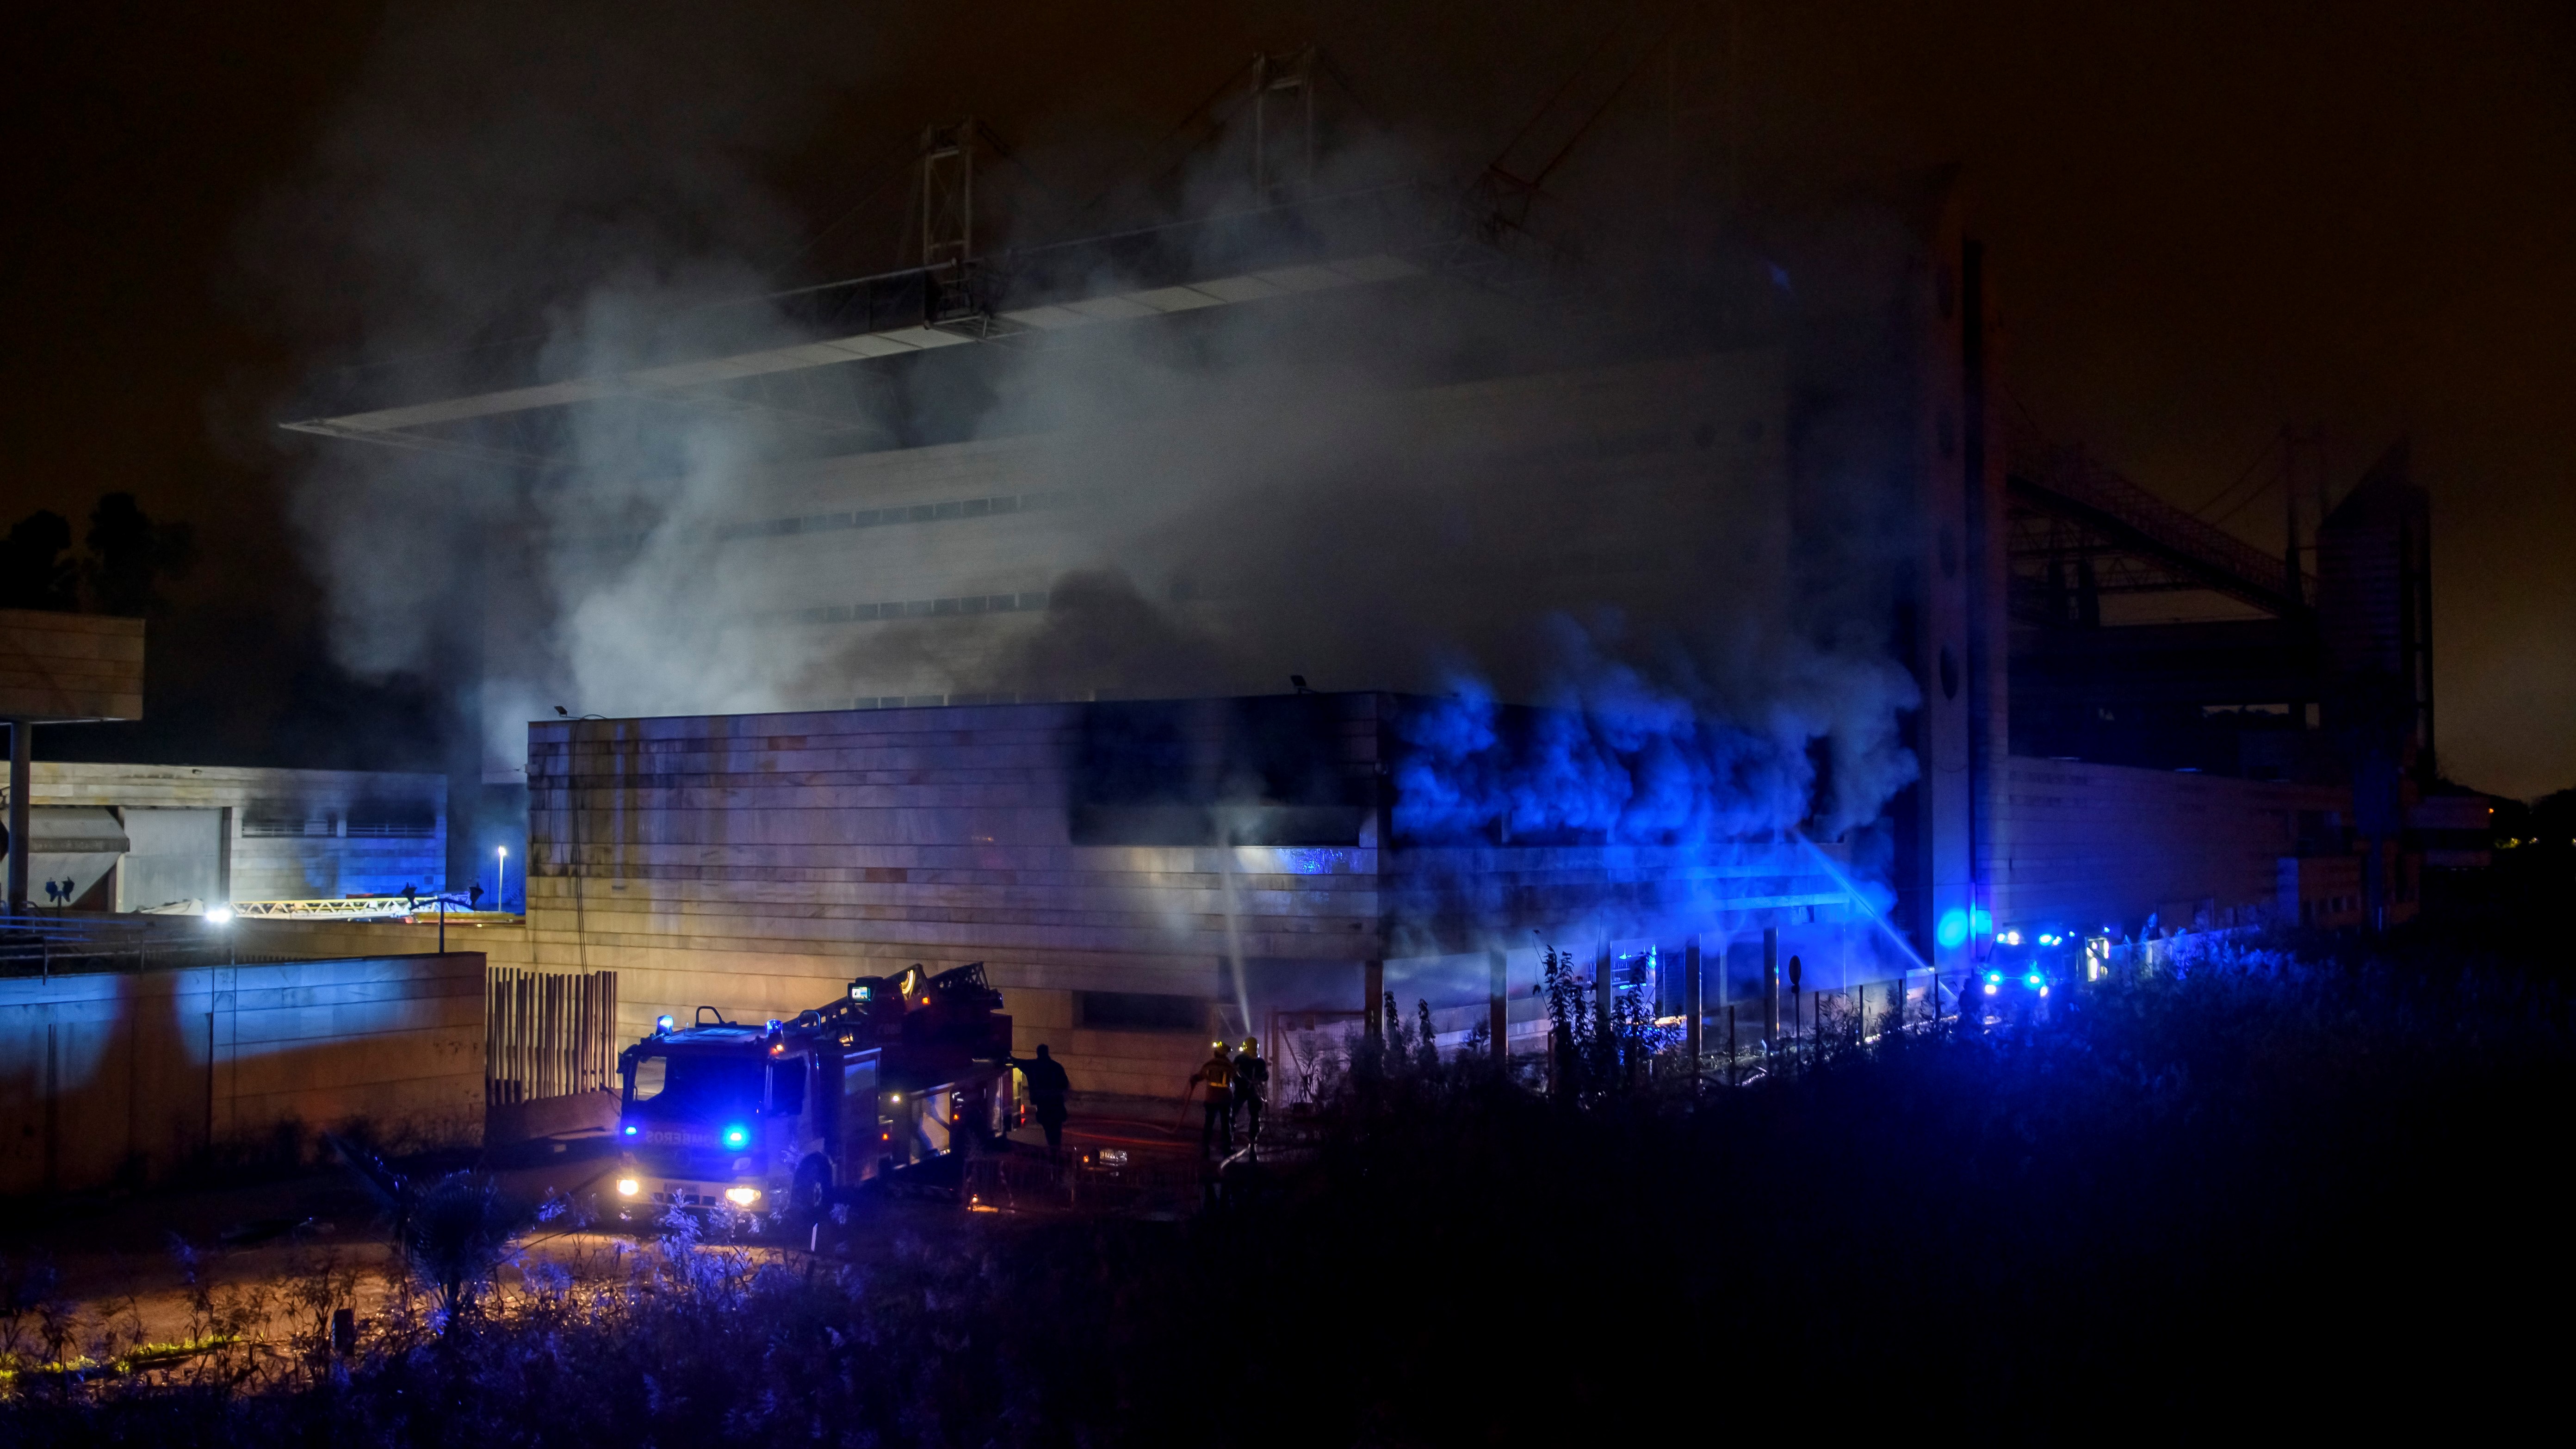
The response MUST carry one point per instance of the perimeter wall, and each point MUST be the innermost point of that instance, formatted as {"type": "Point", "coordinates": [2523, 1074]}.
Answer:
{"type": "Point", "coordinates": [124, 1077]}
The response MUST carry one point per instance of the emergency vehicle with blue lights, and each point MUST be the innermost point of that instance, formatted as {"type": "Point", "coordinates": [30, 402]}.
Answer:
{"type": "Point", "coordinates": [783, 1117]}
{"type": "Point", "coordinates": [2023, 967]}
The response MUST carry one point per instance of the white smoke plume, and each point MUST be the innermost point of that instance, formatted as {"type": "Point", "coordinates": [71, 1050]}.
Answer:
{"type": "Point", "coordinates": [1435, 490]}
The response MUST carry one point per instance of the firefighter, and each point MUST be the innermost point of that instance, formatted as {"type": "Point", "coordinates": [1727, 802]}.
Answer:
{"type": "Point", "coordinates": [1251, 1088]}
{"type": "Point", "coordinates": [1218, 1073]}
{"type": "Point", "coordinates": [1047, 1088]}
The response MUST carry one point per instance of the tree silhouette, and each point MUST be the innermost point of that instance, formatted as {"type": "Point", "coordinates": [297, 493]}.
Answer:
{"type": "Point", "coordinates": [33, 572]}
{"type": "Point", "coordinates": [129, 555]}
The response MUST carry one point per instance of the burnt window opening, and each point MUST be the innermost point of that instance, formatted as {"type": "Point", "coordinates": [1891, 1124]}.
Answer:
{"type": "Point", "coordinates": [283, 819]}
{"type": "Point", "coordinates": [393, 819]}
{"type": "Point", "coordinates": [1272, 771]}
{"type": "Point", "coordinates": [1139, 1011]}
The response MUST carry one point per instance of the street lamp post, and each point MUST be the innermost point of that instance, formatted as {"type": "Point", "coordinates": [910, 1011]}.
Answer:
{"type": "Point", "coordinates": [501, 891]}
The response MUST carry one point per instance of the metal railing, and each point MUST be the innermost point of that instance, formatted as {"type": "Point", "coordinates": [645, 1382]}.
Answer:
{"type": "Point", "coordinates": [70, 943]}
{"type": "Point", "coordinates": [2238, 567]}
{"type": "Point", "coordinates": [416, 908]}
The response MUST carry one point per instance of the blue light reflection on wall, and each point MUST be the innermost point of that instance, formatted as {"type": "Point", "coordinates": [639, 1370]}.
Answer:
{"type": "Point", "coordinates": [1952, 932]}
{"type": "Point", "coordinates": [1302, 860]}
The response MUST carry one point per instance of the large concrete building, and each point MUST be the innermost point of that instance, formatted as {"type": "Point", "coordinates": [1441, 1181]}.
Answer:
{"type": "Point", "coordinates": [818, 649]}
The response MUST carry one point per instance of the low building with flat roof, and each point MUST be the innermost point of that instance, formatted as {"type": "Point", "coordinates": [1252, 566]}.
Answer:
{"type": "Point", "coordinates": [146, 837]}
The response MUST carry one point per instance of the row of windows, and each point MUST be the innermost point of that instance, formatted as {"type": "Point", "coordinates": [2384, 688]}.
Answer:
{"type": "Point", "coordinates": [281, 819]}
{"type": "Point", "coordinates": [915, 513]}
{"type": "Point", "coordinates": [908, 609]}
{"type": "Point", "coordinates": [260, 825]}
{"type": "Point", "coordinates": [917, 701]}
{"type": "Point", "coordinates": [1651, 441]}
{"type": "Point", "coordinates": [1015, 503]}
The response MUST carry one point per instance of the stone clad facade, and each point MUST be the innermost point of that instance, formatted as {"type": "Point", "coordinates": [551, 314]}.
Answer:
{"type": "Point", "coordinates": [1135, 876]}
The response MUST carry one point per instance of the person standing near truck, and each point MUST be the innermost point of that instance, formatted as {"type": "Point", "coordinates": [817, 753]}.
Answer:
{"type": "Point", "coordinates": [1251, 1088]}
{"type": "Point", "coordinates": [1218, 1073]}
{"type": "Point", "coordinates": [1048, 1087]}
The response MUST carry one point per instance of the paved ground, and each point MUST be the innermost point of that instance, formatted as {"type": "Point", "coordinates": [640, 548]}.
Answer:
{"type": "Point", "coordinates": [127, 1260]}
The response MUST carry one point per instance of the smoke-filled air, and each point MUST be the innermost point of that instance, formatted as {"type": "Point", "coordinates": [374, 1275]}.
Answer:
{"type": "Point", "coordinates": [1419, 484]}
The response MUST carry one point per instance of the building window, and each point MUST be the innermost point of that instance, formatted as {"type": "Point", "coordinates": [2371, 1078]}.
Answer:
{"type": "Point", "coordinates": [393, 819]}
{"type": "Point", "coordinates": [1139, 1011]}
{"type": "Point", "coordinates": [275, 819]}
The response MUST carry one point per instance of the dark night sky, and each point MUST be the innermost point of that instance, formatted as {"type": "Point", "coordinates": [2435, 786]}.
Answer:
{"type": "Point", "coordinates": [2209, 220]}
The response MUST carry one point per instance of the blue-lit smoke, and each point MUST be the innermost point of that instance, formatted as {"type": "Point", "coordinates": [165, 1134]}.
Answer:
{"type": "Point", "coordinates": [1694, 806]}
{"type": "Point", "coordinates": [1630, 771]}
{"type": "Point", "coordinates": [1613, 757]}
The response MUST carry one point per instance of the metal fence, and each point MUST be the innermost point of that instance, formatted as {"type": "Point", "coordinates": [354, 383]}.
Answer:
{"type": "Point", "coordinates": [66, 944]}
{"type": "Point", "coordinates": [1310, 1052]}
{"type": "Point", "coordinates": [547, 1034]}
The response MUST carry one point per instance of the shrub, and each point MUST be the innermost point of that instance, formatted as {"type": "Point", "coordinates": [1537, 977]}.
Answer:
{"type": "Point", "coordinates": [2248, 1181]}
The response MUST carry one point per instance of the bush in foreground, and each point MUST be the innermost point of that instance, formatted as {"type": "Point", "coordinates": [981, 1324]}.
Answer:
{"type": "Point", "coordinates": [2314, 1191]}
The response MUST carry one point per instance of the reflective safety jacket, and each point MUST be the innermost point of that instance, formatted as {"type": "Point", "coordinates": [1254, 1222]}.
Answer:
{"type": "Point", "coordinates": [1218, 1074]}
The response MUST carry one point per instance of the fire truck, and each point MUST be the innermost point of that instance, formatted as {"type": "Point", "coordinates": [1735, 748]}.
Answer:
{"type": "Point", "coordinates": [787, 1116]}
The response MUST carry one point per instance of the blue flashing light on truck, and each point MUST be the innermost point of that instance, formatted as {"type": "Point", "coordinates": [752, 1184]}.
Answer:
{"type": "Point", "coordinates": [2024, 967]}
{"type": "Point", "coordinates": [784, 1117]}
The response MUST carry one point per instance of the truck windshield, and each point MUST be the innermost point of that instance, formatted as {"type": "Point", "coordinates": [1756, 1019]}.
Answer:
{"type": "Point", "coordinates": [688, 1083]}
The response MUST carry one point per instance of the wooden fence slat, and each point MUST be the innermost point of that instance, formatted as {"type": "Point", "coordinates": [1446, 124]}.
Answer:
{"type": "Point", "coordinates": [548, 1034]}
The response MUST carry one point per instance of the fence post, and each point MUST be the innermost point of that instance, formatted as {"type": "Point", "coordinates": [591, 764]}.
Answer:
{"type": "Point", "coordinates": [1771, 986]}
{"type": "Point", "coordinates": [1694, 1033]}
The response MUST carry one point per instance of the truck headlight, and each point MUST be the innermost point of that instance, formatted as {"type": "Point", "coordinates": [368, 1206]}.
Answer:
{"type": "Point", "coordinates": [742, 1196]}
{"type": "Point", "coordinates": [628, 1187]}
